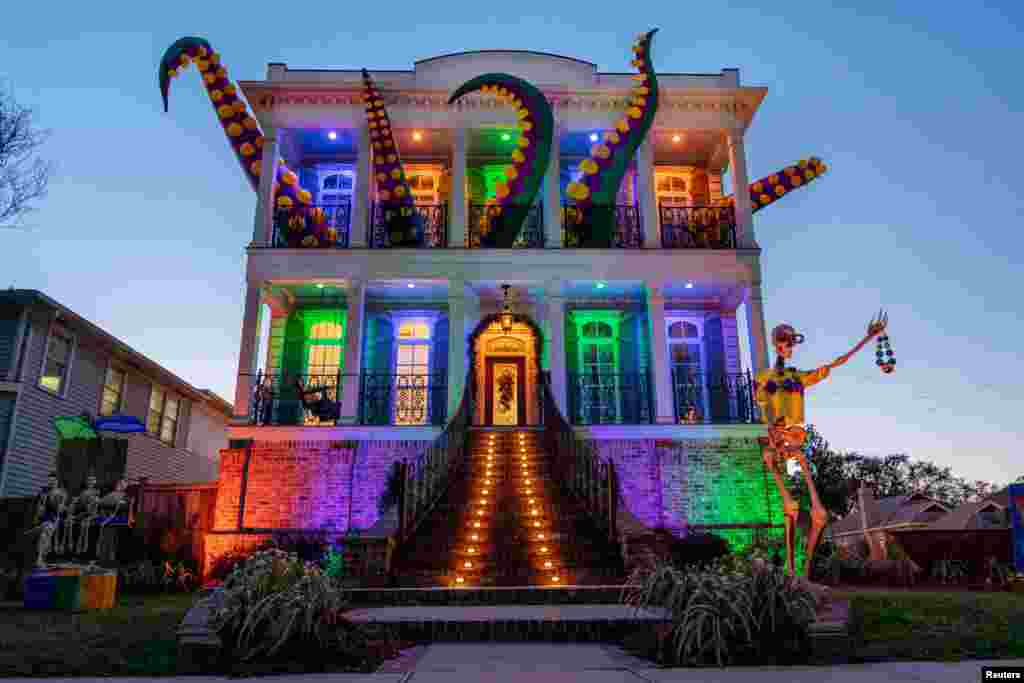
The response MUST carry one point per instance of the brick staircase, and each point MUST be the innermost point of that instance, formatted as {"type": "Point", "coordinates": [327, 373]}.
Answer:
{"type": "Point", "coordinates": [507, 523]}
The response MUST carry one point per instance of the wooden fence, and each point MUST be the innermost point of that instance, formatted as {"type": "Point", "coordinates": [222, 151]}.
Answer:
{"type": "Point", "coordinates": [171, 520]}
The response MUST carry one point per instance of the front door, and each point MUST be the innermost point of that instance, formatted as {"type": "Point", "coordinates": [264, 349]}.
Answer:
{"type": "Point", "coordinates": [504, 391]}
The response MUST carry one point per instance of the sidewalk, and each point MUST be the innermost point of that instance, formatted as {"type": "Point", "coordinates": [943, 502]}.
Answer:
{"type": "Point", "coordinates": [541, 663]}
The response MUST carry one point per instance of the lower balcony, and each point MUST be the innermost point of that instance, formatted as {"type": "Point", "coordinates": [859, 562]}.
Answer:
{"type": "Point", "coordinates": [697, 227]}
{"type": "Point", "coordinates": [615, 399]}
{"type": "Point", "coordinates": [318, 400]}
{"type": "Point", "coordinates": [713, 399]}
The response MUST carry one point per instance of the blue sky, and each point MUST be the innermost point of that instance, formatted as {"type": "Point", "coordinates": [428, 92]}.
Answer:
{"type": "Point", "coordinates": [918, 116]}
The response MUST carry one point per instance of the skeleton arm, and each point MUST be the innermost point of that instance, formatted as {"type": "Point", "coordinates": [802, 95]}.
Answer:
{"type": "Point", "coordinates": [875, 328]}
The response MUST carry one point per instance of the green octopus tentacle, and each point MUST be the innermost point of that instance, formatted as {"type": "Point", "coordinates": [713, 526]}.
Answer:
{"type": "Point", "coordinates": [403, 224]}
{"type": "Point", "coordinates": [304, 226]}
{"type": "Point", "coordinates": [506, 215]}
{"type": "Point", "coordinates": [609, 159]}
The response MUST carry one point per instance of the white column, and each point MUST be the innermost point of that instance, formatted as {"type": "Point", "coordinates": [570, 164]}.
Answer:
{"type": "Point", "coordinates": [361, 190]}
{"type": "Point", "coordinates": [664, 412]}
{"type": "Point", "coordinates": [756, 336]}
{"type": "Point", "coordinates": [645, 191]}
{"type": "Point", "coordinates": [552, 197]}
{"type": "Point", "coordinates": [457, 202]}
{"type": "Point", "coordinates": [556, 348]}
{"type": "Point", "coordinates": [263, 230]}
{"type": "Point", "coordinates": [355, 301]}
{"type": "Point", "coordinates": [740, 190]}
{"type": "Point", "coordinates": [248, 352]}
{"type": "Point", "coordinates": [457, 309]}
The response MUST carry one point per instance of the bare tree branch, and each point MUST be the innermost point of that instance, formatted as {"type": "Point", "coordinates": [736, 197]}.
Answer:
{"type": "Point", "coordinates": [23, 174]}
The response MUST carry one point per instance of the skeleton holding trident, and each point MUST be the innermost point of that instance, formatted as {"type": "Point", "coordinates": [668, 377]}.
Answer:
{"type": "Point", "coordinates": [779, 392]}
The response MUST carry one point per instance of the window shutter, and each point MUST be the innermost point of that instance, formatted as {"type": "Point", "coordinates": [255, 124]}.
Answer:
{"type": "Point", "coordinates": [439, 370]}
{"type": "Point", "coordinates": [717, 382]}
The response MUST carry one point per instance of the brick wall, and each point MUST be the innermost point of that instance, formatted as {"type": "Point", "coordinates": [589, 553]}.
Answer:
{"type": "Point", "coordinates": [328, 485]}
{"type": "Point", "coordinates": [675, 483]}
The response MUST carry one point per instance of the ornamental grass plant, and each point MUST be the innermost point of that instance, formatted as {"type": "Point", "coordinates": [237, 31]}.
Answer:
{"type": "Point", "coordinates": [723, 613]}
{"type": "Point", "coordinates": [279, 609]}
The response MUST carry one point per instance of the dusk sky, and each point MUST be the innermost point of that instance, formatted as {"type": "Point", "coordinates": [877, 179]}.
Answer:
{"type": "Point", "coordinates": [918, 116]}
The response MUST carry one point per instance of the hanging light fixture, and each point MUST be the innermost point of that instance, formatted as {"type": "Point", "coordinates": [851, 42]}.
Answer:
{"type": "Point", "coordinates": [506, 313]}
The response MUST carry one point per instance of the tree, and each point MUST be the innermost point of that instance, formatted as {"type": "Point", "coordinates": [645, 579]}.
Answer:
{"type": "Point", "coordinates": [23, 175]}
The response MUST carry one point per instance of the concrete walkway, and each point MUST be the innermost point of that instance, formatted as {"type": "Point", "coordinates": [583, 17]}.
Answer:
{"type": "Point", "coordinates": [541, 663]}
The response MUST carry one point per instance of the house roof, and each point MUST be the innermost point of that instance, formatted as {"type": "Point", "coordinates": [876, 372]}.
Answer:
{"type": "Point", "coordinates": [886, 511]}
{"type": "Point", "coordinates": [30, 297]}
{"type": "Point", "coordinates": [965, 516]}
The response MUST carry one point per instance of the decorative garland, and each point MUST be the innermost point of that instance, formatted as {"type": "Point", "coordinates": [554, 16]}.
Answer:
{"type": "Point", "coordinates": [504, 217]}
{"type": "Point", "coordinates": [884, 357]}
{"type": "Point", "coordinates": [604, 169]}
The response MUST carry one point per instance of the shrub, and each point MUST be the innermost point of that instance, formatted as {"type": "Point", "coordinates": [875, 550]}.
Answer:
{"type": "Point", "coordinates": [276, 604]}
{"type": "Point", "coordinates": [726, 612]}
{"type": "Point", "coordinates": [306, 546]}
{"type": "Point", "coordinates": [221, 567]}
{"type": "Point", "coordinates": [697, 549]}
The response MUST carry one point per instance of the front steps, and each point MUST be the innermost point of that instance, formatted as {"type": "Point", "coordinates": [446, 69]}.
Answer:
{"type": "Point", "coordinates": [507, 523]}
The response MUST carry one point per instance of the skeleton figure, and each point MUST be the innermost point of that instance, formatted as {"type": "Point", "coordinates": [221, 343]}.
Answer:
{"type": "Point", "coordinates": [49, 508]}
{"type": "Point", "coordinates": [85, 508]}
{"type": "Point", "coordinates": [779, 392]}
{"type": "Point", "coordinates": [113, 509]}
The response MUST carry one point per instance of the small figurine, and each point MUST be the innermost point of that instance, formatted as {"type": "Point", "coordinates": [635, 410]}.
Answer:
{"type": "Point", "coordinates": [779, 392]}
{"type": "Point", "coordinates": [49, 508]}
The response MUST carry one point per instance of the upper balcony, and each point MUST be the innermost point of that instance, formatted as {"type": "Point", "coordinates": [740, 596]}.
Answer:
{"type": "Point", "coordinates": [676, 202]}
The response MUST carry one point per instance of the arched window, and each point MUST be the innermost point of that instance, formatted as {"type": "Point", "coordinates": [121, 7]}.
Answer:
{"type": "Point", "coordinates": [683, 330]}
{"type": "Point", "coordinates": [414, 330]}
{"type": "Point", "coordinates": [597, 330]}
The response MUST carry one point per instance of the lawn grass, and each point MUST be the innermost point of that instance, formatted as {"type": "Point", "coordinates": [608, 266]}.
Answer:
{"type": "Point", "coordinates": [950, 626]}
{"type": "Point", "coordinates": [135, 638]}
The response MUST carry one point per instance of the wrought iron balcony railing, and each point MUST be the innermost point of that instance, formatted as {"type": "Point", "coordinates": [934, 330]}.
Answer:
{"type": "Point", "coordinates": [481, 219]}
{"type": "Point", "coordinates": [623, 398]}
{"type": "Point", "coordinates": [334, 221]}
{"type": "Point", "coordinates": [435, 226]}
{"type": "Point", "coordinates": [714, 399]}
{"type": "Point", "coordinates": [577, 225]}
{"type": "Point", "coordinates": [317, 399]}
{"type": "Point", "coordinates": [697, 227]}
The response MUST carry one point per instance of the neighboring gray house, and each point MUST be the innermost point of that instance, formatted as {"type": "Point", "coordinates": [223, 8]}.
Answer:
{"type": "Point", "coordinates": [54, 362]}
{"type": "Point", "coordinates": [873, 518]}
{"type": "Point", "coordinates": [989, 513]}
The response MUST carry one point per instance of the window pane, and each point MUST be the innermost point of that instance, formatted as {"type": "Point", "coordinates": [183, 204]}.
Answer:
{"type": "Point", "coordinates": [663, 184]}
{"type": "Point", "coordinates": [589, 353]}
{"type": "Point", "coordinates": [606, 355]}
{"type": "Point", "coordinates": [678, 185]}
{"type": "Point", "coordinates": [167, 430]}
{"type": "Point", "coordinates": [331, 182]}
{"type": "Point", "coordinates": [156, 406]}
{"type": "Point", "coordinates": [345, 182]}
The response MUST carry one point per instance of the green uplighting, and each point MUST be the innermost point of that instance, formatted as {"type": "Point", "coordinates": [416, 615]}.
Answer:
{"type": "Point", "coordinates": [506, 137]}
{"type": "Point", "coordinates": [601, 285]}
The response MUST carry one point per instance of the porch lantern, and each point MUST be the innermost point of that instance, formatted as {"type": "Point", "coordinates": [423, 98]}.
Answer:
{"type": "Point", "coordinates": [506, 313]}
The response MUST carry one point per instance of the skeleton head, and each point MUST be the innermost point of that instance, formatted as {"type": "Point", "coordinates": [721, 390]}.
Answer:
{"type": "Point", "coordinates": [784, 338]}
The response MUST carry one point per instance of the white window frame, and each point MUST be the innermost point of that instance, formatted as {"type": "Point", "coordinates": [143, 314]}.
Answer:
{"type": "Point", "coordinates": [338, 196]}
{"type": "Point", "coordinates": [698, 322]}
{"type": "Point", "coordinates": [429, 318]}
{"type": "Point", "coordinates": [121, 390]}
{"type": "Point", "coordinates": [168, 394]}
{"type": "Point", "coordinates": [73, 348]}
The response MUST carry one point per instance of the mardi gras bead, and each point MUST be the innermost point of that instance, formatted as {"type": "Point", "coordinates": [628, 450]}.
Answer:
{"type": "Point", "coordinates": [247, 149]}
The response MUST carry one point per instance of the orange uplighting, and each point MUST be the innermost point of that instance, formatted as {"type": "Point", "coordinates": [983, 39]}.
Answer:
{"type": "Point", "coordinates": [417, 136]}
{"type": "Point", "coordinates": [487, 481]}
{"type": "Point", "coordinates": [472, 550]}
{"type": "Point", "coordinates": [475, 537]}
{"type": "Point", "coordinates": [485, 491]}
{"type": "Point", "coordinates": [540, 537]}
{"type": "Point", "coordinates": [476, 524]}
{"type": "Point", "coordinates": [554, 579]}
{"type": "Point", "coordinates": [543, 548]}
{"type": "Point", "coordinates": [547, 565]}
{"type": "Point", "coordinates": [459, 579]}
{"type": "Point", "coordinates": [467, 565]}
{"type": "Point", "coordinates": [536, 523]}
{"type": "Point", "coordinates": [480, 513]}
{"type": "Point", "coordinates": [676, 138]}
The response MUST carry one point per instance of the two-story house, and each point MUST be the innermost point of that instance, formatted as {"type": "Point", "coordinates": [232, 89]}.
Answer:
{"type": "Point", "coordinates": [56, 363]}
{"type": "Point", "coordinates": [372, 349]}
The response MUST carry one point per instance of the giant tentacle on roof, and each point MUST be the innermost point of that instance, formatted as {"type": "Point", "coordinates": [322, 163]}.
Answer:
{"type": "Point", "coordinates": [507, 213]}
{"type": "Point", "coordinates": [301, 224]}
{"type": "Point", "coordinates": [402, 223]}
{"type": "Point", "coordinates": [602, 173]}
